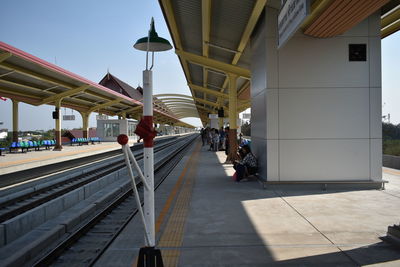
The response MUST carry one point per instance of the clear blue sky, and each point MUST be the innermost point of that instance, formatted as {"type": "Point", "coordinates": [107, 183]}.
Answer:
{"type": "Point", "coordinates": [90, 36]}
{"type": "Point", "coordinates": [87, 38]}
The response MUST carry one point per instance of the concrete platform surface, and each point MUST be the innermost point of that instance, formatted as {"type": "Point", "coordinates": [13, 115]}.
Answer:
{"type": "Point", "coordinates": [206, 219]}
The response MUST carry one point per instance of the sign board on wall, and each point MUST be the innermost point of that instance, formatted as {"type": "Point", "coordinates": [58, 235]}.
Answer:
{"type": "Point", "coordinates": [101, 117]}
{"type": "Point", "coordinates": [68, 117]}
{"type": "Point", "coordinates": [213, 116]}
{"type": "Point", "coordinates": [246, 116]}
{"type": "Point", "coordinates": [290, 18]}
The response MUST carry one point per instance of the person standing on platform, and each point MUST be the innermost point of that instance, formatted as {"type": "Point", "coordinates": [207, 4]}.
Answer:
{"type": "Point", "coordinates": [215, 140]}
{"type": "Point", "coordinates": [222, 136]}
{"type": "Point", "coordinates": [227, 144]}
{"type": "Point", "coordinates": [204, 136]}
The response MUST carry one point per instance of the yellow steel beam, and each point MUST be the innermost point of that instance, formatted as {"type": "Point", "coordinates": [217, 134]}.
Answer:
{"type": "Point", "coordinates": [40, 90]}
{"type": "Point", "coordinates": [389, 19]}
{"type": "Point", "coordinates": [169, 13]}
{"type": "Point", "coordinates": [4, 56]}
{"type": "Point", "coordinates": [4, 91]}
{"type": "Point", "coordinates": [107, 104]}
{"type": "Point", "coordinates": [172, 99]}
{"type": "Point", "coordinates": [64, 94]}
{"type": "Point", "coordinates": [176, 108]}
{"type": "Point", "coordinates": [208, 91]}
{"type": "Point", "coordinates": [232, 101]}
{"type": "Point", "coordinates": [206, 102]}
{"type": "Point", "coordinates": [177, 105]}
{"type": "Point", "coordinates": [390, 29]}
{"type": "Point", "coordinates": [192, 112]}
{"type": "Point", "coordinates": [25, 86]}
{"type": "Point", "coordinates": [214, 64]}
{"type": "Point", "coordinates": [316, 10]}
{"type": "Point", "coordinates": [206, 25]}
{"type": "Point", "coordinates": [130, 110]}
{"type": "Point", "coordinates": [100, 96]}
{"type": "Point", "coordinates": [251, 23]}
{"type": "Point", "coordinates": [179, 95]}
{"type": "Point", "coordinates": [35, 75]}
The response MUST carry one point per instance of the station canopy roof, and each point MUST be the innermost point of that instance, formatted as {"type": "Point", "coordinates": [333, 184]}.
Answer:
{"type": "Point", "coordinates": [28, 79]}
{"type": "Point", "coordinates": [211, 39]}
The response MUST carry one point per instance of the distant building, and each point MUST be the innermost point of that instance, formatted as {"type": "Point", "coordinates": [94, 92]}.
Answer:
{"type": "Point", "coordinates": [109, 129]}
{"type": "Point", "coordinates": [115, 84]}
{"type": "Point", "coordinates": [3, 134]}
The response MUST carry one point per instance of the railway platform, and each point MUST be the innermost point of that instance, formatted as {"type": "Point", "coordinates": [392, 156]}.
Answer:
{"type": "Point", "coordinates": [17, 161]}
{"type": "Point", "coordinates": [203, 218]}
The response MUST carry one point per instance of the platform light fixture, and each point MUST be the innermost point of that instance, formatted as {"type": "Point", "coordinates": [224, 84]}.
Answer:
{"type": "Point", "coordinates": [145, 129]}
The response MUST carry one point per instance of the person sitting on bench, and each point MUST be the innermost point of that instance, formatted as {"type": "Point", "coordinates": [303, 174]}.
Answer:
{"type": "Point", "coordinates": [247, 165]}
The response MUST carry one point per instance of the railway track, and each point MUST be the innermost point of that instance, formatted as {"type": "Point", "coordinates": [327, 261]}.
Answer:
{"type": "Point", "coordinates": [82, 245]}
{"type": "Point", "coordinates": [10, 208]}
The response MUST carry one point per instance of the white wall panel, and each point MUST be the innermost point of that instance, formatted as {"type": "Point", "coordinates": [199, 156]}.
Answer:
{"type": "Point", "coordinates": [310, 62]}
{"type": "Point", "coordinates": [323, 160]}
{"type": "Point", "coordinates": [272, 64]}
{"type": "Point", "coordinates": [375, 112]}
{"type": "Point", "coordinates": [258, 63]}
{"type": "Point", "coordinates": [374, 24]}
{"type": "Point", "coordinates": [376, 159]}
{"type": "Point", "coordinates": [271, 20]}
{"type": "Point", "coordinates": [272, 112]}
{"type": "Point", "coordinates": [324, 113]}
{"type": "Point", "coordinates": [375, 68]}
{"type": "Point", "coordinates": [361, 29]}
{"type": "Point", "coordinates": [259, 149]}
{"type": "Point", "coordinates": [272, 160]}
{"type": "Point", "coordinates": [258, 116]}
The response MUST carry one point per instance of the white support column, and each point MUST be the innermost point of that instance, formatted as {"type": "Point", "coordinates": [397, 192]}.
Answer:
{"type": "Point", "coordinates": [316, 115]}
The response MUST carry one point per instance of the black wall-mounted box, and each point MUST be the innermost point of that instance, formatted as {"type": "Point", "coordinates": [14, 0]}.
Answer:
{"type": "Point", "coordinates": [357, 52]}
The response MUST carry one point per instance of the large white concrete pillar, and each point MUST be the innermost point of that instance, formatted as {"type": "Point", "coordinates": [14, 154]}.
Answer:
{"type": "Point", "coordinates": [316, 116]}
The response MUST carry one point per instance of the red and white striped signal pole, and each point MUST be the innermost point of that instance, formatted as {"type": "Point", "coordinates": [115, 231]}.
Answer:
{"type": "Point", "coordinates": [151, 43]}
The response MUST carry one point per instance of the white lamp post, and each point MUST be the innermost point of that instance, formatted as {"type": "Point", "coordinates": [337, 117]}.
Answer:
{"type": "Point", "coordinates": [151, 43]}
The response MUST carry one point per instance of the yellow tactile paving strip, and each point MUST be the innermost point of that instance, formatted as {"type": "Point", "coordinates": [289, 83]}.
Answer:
{"type": "Point", "coordinates": [172, 236]}
{"type": "Point", "coordinates": [56, 154]}
{"type": "Point", "coordinates": [391, 172]}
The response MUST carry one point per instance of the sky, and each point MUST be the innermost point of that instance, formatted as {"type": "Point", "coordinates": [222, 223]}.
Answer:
{"type": "Point", "coordinates": [87, 38]}
{"type": "Point", "coordinates": [92, 36]}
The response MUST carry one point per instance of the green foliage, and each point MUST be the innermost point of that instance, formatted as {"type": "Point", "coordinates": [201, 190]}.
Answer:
{"type": "Point", "coordinates": [391, 139]}
{"type": "Point", "coordinates": [7, 141]}
{"type": "Point", "coordinates": [48, 135]}
{"type": "Point", "coordinates": [391, 147]}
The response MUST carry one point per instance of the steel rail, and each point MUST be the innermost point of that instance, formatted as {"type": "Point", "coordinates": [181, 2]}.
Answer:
{"type": "Point", "coordinates": [13, 207]}
{"type": "Point", "coordinates": [166, 166]}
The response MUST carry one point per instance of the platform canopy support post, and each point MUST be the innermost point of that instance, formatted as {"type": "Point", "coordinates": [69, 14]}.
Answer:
{"type": "Point", "coordinates": [232, 117]}
{"type": "Point", "coordinates": [57, 133]}
{"type": "Point", "coordinates": [85, 123]}
{"type": "Point", "coordinates": [15, 120]}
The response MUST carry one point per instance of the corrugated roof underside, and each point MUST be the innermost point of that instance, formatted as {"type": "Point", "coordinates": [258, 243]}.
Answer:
{"type": "Point", "coordinates": [229, 20]}
{"type": "Point", "coordinates": [215, 80]}
{"type": "Point", "coordinates": [196, 73]}
{"type": "Point", "coordinates": [188, 13]}
{"type": "Point", "coordinates": [27, 65]}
